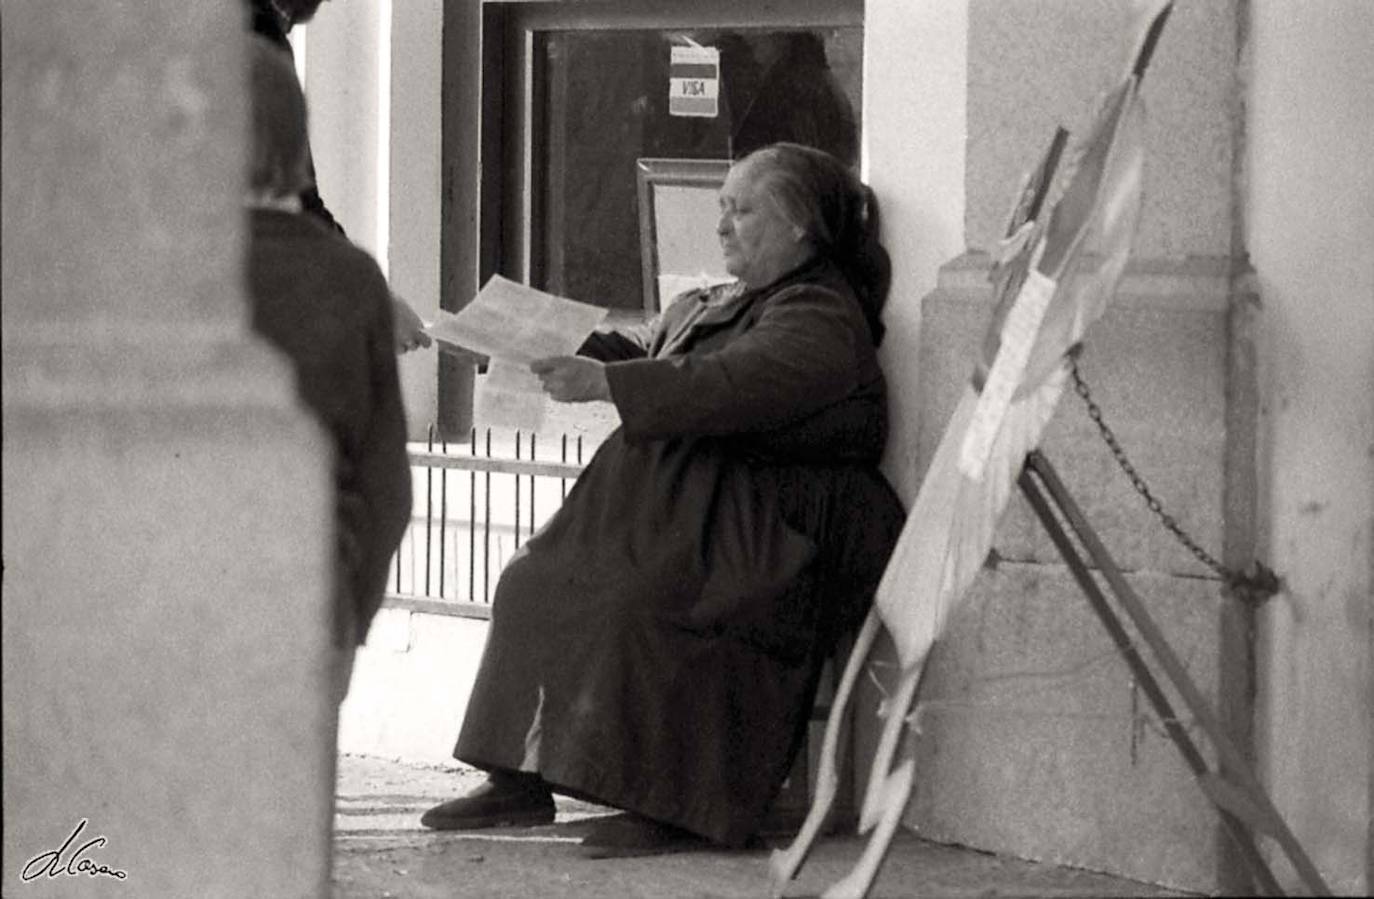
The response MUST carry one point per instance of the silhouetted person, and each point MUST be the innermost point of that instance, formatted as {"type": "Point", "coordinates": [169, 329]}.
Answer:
{"type": "Point", "coordinates": [788, 94]}
{"type": "Point", "coordinates": [325, 304]}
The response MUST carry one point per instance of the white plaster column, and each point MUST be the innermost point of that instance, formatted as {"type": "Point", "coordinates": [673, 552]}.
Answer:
{"type": "Point", "coordinates": [915, 141]}
{"type": "Point", "coordinates": [342, 59]}
{"type": "Point", "coordinates": [915, 131]}
{"type": "Point", "coordinates": [415, 166]}
{"type": "Point", "coordinates": [373, 73]}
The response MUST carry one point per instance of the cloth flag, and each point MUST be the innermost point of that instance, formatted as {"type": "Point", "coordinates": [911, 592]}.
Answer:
{"type": "Point", "coordinates": [1063, 280]}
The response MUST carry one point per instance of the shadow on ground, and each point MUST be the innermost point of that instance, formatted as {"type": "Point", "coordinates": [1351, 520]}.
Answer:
{"type": "Point", "coordinates": [382, 852]}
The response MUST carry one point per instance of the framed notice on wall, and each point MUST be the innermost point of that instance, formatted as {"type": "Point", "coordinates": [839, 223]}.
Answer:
{"type": "Point", "coordinates": [678, 211]}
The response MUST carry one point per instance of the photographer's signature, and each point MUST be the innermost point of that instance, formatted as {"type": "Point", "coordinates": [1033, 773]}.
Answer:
{"type": "Point", "coordinates": [54, 864]}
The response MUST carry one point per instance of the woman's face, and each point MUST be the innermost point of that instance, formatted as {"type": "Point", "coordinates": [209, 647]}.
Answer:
{"type": "Point", "coordinates": [759, 245]}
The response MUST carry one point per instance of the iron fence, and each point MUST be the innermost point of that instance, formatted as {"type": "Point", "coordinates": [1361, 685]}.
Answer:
{"type": "Point", "coordinates": [476, 502]}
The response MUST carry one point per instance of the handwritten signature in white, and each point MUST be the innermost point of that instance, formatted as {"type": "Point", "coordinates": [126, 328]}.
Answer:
{"type": "Point", "coordinates": [52, 864]}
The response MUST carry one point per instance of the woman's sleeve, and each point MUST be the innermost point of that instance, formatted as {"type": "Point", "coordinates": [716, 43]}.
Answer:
{"type": "Point", "coordinates": [801, 355]}
{"type": "Point", "coordinates": [640, 340]}
{"type": "Point", "coordinates": [618, 345]}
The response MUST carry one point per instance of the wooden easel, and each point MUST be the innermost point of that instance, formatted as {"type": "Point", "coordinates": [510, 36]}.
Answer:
{"type": "Point", "coordinates": [1235, 791]}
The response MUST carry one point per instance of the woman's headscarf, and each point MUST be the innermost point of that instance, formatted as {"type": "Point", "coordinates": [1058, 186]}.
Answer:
{"type": "Point", "coordinates": [838, 213]}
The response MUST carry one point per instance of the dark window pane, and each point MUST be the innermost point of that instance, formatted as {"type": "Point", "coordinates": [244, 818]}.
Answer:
{"type": "Point", "coordinates": [604, 103]}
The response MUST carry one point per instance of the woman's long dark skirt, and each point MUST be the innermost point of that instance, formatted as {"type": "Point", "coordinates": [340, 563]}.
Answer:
{"type": "Point", "coordinates": [594, 678]}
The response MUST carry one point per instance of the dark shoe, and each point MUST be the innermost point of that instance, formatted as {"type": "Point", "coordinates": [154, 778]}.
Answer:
{"type": "Point", "coordinates": [628, 835]}
{"type": "Point", "coordinates": [497, 802]}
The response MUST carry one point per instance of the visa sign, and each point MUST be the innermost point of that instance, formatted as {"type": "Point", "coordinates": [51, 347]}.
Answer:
{"type": "Point", "coordinates": [694, 81]}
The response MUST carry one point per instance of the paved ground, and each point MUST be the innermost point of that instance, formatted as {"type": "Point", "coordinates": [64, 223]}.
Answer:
{"type": "Point", "coordinates": [382, 852]}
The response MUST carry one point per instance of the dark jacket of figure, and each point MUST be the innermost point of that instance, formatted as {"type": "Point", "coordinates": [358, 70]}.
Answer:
{"type": "Point", "coordinates": [657, 644]}
{"type": "Point", "coordinates": [325, 303]}
{"type": "Point", "coordinates": [796, 99]}
{"type": "Point", "coordinates": [267, 22]}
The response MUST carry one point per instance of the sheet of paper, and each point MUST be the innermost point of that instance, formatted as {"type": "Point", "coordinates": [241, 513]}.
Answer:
{"type": "Point", "coordinates": [1018, 336]}
{"type": "Point", "coordinates": [514, 325]}
{"type": "Point", "coordinates": [517, 323]}
{"type": "Point", "coordinates": [509, 395]}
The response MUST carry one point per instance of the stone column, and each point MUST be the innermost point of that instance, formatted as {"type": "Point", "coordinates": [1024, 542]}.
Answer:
{"type": "Point", "coordinates": [166, 502]}
{"type": "Point", "coordinates": [417, 29]}
{"type": "Point", "coordinates": [1034, 740]}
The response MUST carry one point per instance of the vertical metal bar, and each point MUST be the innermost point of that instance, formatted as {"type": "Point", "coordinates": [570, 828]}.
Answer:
{"type": "Point", "coordinates": [563, 457]}
{"type": "Point", "coordinates": [1244, 841]}
{"type": "Point", "coordinates": [410, 514]}
{"type": "Point", "coordinates": [472, 521]}
{"type": "Point", "coordinates": [429, 506]}
{"type": "Point", "coordinates": [486, 531]}
{"type": "Point", "coordinates": [443, 516]}
{"type": "Point", "coordinates": [516, 480]}
{"type": "Point", "coordinates": [532, 458]}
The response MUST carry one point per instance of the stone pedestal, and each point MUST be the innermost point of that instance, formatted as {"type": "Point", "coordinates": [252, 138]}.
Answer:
{"type": "Point", "coordinates": [167, 504]}
{"type": "Point", "coordinates": [1033, 739]}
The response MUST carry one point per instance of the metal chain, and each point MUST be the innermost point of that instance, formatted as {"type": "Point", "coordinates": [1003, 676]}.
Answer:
{"type": "Point", "coordinates": [1254, 585]}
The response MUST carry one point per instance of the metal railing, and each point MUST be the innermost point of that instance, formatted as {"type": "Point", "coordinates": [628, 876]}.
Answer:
{"type": "Point", "coordinates": [475, 502]}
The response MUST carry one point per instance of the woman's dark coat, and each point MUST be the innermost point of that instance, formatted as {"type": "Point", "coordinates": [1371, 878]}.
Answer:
{"type": "Point", "coordinates": [656, 645]}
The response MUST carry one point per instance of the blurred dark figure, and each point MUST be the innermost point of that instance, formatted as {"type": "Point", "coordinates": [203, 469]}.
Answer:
{"type": "Point", "coordinates": [324, 303]}
{"type": "Point", "coordinates": [272, 20]}
{"type": "Point", "coordinates": [779, 87]}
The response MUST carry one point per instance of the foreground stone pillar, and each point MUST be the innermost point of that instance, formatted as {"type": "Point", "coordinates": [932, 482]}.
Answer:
{"type": "Point", "coordinates": [166, 503]}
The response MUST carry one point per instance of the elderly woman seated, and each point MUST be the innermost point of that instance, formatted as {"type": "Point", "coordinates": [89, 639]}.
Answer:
{"type": "Point", "coordinates": [656, 647]}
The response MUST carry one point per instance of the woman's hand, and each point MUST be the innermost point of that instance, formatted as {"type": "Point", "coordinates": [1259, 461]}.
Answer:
{"type": "Point", "coordinates": [572, 379]}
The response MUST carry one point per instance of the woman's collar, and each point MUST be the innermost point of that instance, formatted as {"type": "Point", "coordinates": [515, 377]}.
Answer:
{"type": "Point", "coordinates": [805, 271]}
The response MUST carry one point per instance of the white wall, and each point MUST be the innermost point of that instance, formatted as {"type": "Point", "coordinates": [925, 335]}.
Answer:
{"type": "Point", "coordinates": [414, 209]}
{"type": "Point", "coordinates": [915, 77]}
{"type": "Point", "coordinates": [915, 80]}
{"type": "Point", "coordinates": [374, 131]}
{"type": "Point", "coordinates": [341, 69]}
{"type": "Point", "coordinates": [1310, 211]}
{"type": "Point", "coordinates": [410, 688]}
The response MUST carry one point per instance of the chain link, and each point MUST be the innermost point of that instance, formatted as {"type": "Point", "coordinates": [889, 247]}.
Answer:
{"type": "Point", "coordinates": [1254, 585]}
